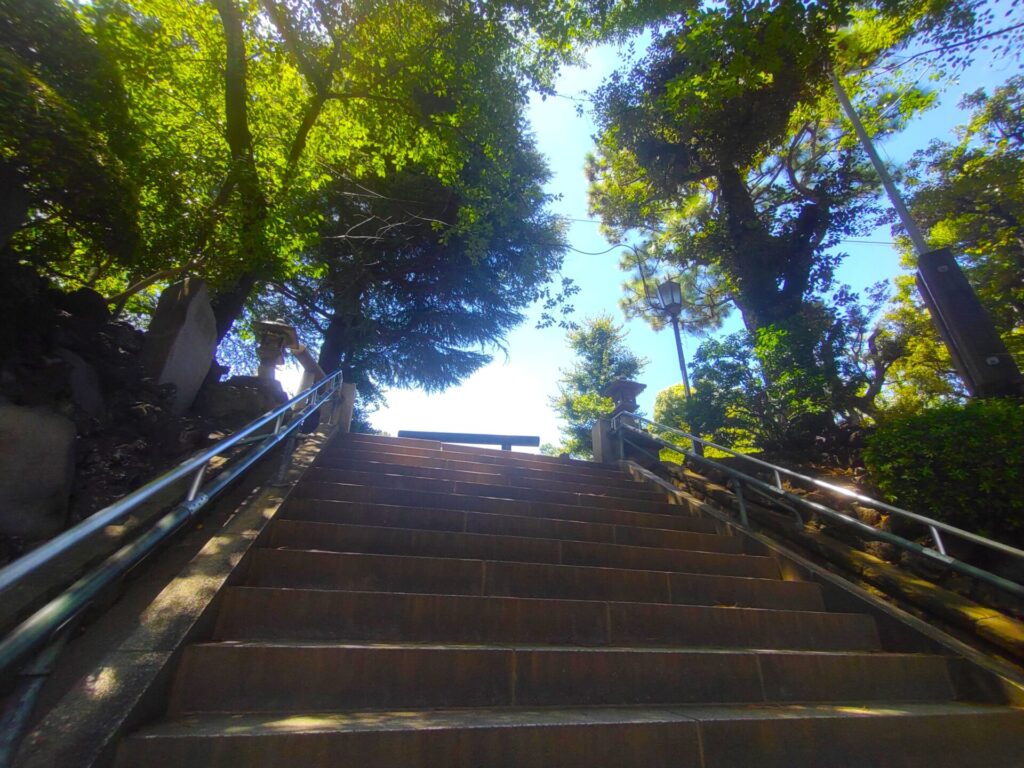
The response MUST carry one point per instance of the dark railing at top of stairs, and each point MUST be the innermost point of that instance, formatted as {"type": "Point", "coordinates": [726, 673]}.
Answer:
{"type": "Point", "coordinates": [472, 438]}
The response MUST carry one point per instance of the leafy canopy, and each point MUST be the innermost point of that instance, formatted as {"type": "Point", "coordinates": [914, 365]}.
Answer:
{"type": "Point", "coordinates": [726, 149]}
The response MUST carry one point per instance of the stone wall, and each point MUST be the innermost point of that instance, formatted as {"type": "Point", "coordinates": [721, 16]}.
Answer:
{"type": "Point", "coordinates": [82, 422]}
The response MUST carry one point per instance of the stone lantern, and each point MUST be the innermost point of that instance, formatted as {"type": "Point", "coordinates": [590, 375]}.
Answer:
{"type": "Point", "coordinates": [623, 393]}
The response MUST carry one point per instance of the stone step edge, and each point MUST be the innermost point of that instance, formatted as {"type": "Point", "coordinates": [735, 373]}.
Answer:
{"type": "Point", "coordinates": [467, 488]}
{"type": "Point", "coordinates": [520, 461]}
{"type": "Point", "coordinates": [313, 500]}
{"type": "Point", "coordinates": [440, 446]}
{"type": "Point", "coordinates": [539, 600]}
{"type": "Point", "coordinates": [434, 646]}
{"type": "Point", "coordinates": [209, 725]}
{"type": "Point", "coordinates": [641, 493]}
{"type": "Point", "coordinates": [684, 511]}
{"type": "Point", "coordinates": [284, 515]}
{"type": "Point", "coordinates": [510, 538]}
{"type": "Point", "coordinates": [613, 477]}
{"type": "Point", "coordinates": [329, 553]}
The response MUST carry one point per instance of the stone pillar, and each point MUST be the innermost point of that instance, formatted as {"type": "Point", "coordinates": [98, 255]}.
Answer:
{"type": "Point", "coordinates": [345, 406]}
{"type": "Point", "coordinates": [607, 445]}
{"type": "Point", "coordinates": [181, 340]}
{"type": "Point", "coordinates": [978, 353]}
{"type": "Point", "coordinates": [36, 470]}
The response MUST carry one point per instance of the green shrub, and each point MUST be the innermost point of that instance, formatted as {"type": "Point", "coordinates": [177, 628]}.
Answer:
{"type": "Point", "coordinates": [962, 464]}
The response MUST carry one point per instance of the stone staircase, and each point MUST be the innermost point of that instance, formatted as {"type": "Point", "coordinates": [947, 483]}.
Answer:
{"type": "Point", "coordinates": [416, 604]}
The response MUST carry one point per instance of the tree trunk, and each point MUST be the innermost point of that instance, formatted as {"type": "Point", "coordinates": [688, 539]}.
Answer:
{"type": "Point", "coordinates": [228, 304]}
{"type": "Point", "coordinates": [14, 210]}
{"type": "Point", "coordinates": [332, 344]}
{"type": "Point", "coordinates": [768, 290]}
{"type": "Point", "coordinates": [342, 337]}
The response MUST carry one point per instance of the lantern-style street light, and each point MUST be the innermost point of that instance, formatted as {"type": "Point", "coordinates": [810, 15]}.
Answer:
{"type": "Point", "coordinates": [670, 294]}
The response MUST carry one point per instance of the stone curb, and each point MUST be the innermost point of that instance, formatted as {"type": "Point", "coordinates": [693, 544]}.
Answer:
{"type": "Point", "coordinates": [130, 684]}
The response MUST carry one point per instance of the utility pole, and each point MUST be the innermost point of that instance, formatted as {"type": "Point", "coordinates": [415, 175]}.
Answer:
{"type": "Point", "coordinates": [982, 360]}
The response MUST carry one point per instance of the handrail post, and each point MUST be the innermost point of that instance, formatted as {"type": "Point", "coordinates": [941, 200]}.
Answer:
{"type": "Point", "coordinates": [197, 482]}
{"type": "Point", "coordinates": [285, 461]}
{"type": "Point", "coordinates": [737, 489]}
{"type": "Point", "coordinates": [934, 555]}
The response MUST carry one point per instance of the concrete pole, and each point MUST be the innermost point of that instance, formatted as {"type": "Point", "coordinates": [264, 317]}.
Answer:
{"type": "Point", "coordinates": [916, 237]}
{"type": "Point", "coordinates": [978, 353]}
{"type": "Point", "coordinates": [682, 357]}
{"type": "Point", "coordinates": [698, 448]}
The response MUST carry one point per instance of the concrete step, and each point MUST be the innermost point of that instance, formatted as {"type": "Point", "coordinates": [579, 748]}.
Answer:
{"type": "Point", "coordinates": [425, 518]}
{"type": "Point", "coordinates": [490, 475]}
{"type": "Point", "coordinates": [303, 569]}
{"type": "Point", "coordinates": [255, 613]}
{"type": "Point", "coordinates": [673, 517]}
{"type": "Point", "coordinates": [331, 536]}
{"type": "Point", "coordinates": [368, 444]}
{"type": "Point", "coordinates": [410, 483]}
{"type": "Point", "coordinates": [401, 541]}
{"type": "Point", "coordinates": [249, 677]}
{"type": "Point", "coordinates": [609, 477]}
{"type": "Point", "coordinates": [912, 735]}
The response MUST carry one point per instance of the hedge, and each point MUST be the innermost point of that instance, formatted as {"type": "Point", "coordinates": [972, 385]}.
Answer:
{"type": "Point", "coordinates": [962, 464]}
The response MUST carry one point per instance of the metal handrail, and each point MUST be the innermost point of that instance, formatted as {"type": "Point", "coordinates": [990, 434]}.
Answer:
{"type": "Point", "coordinates": [777, 492]}
{"type": "Point", "coordinates": [35, 632]}
{"type": "Point", "coordinates": [867, 500]}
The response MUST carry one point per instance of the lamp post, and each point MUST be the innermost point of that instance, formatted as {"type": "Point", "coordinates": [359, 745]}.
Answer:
{"type": "Point", "coordinates": [671, 296]}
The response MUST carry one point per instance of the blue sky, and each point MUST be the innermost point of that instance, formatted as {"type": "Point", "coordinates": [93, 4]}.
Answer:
{"type": "Point", "coordinates": [510, 395]}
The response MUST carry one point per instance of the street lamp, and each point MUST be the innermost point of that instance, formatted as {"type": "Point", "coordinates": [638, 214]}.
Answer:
{"type": "Point", "coordinates": [671, 296]}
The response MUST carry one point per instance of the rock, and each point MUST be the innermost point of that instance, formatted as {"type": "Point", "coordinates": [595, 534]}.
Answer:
{"type": "Point", "coordinates": [870, 516]}
{"type": "Point", "coordinates": [126, 337]}
{"type": "Point", "coordinates": [239, 400]}
{"type": "Point", "coordinates": [85, 384]}
{"type": "Point", "coordinates": [181, 340]}
{"type": "Point", "coordinates": [181, 436]}
{"type": "Point", "coordinates": [84, 305]}
{"type": "Point", "coordinates": [36, 470]}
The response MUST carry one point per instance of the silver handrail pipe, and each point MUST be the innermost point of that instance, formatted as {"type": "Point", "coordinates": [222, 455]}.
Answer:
{"type": "Point", "coordinates": [776, 492]}
{"type": "Point", "coordinates": [45, 624]}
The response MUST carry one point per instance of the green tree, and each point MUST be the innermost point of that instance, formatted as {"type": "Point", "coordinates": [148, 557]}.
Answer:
{"type": "Point", "coordinates": [66, 142]}
{"type": "Point", "coordinates": [601, 357]}
{"type": "Point", "coordinates": [417, 273]}
{"type": "Point", "coordinates": [242, 110]}
{"type": "Point", "coordinates": [418, 279]}
{"type": "Point", "coordinates": [726, 144]}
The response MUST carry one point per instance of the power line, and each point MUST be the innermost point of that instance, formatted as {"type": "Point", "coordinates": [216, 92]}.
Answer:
{"type": "Point", "coordinates": [653, 229]}
{"type": "Point", "coordinates": [961, 44]}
